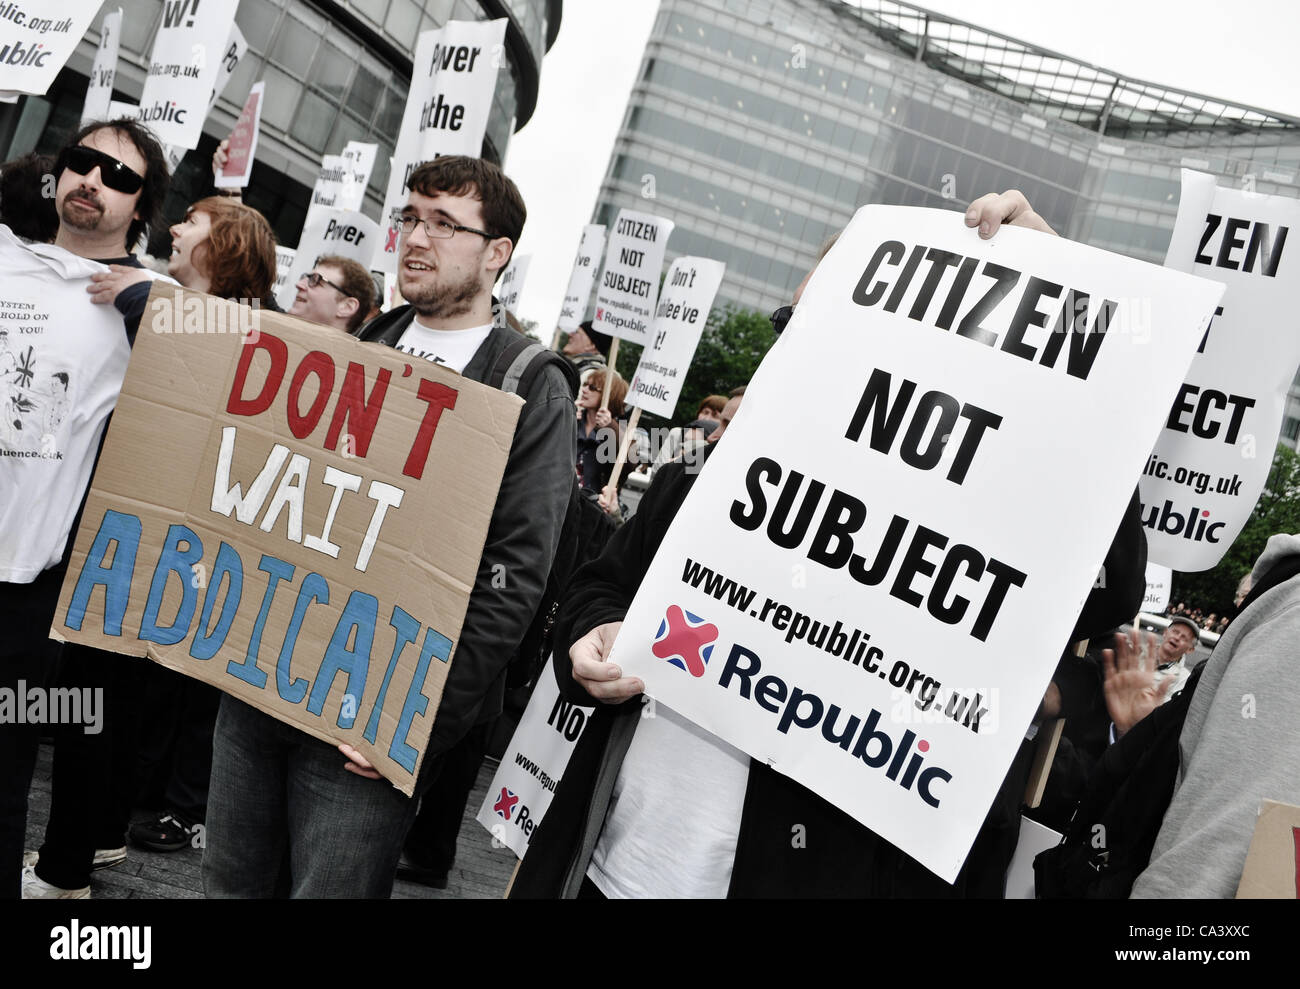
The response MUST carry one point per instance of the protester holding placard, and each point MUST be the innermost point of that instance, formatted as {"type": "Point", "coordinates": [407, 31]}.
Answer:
{"type": "Point", "coordinates": [459, 224]}
{"type": "Point", "coordinates": [599, 429]}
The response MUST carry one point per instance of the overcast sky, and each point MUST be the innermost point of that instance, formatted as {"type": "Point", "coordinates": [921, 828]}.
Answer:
{"type": "Point", "coordinates": [1243, 52]}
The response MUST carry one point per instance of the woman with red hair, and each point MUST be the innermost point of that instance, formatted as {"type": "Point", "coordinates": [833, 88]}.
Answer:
{"type": "Point", "coordinates": [225, 248]}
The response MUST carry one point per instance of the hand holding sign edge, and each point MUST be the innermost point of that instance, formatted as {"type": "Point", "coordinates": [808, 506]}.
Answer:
{"type": "Point", "coordinates": [603, 681]}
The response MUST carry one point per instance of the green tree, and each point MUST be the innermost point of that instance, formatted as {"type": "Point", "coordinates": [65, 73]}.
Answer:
{"type": "Point", "coordinates": [1278, 510]}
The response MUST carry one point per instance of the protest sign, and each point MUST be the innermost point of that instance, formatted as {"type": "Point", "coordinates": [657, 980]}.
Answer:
{"type": "Point", "coordinates": [590, 250]}
{"type": "Point", "coordinates": [183, 68]}
{"type": "Point", "coordinates": [99, 94]}
{"type": "Point", "coordinates": [680, 317]}
{"type": "Point", "coordinates": [1210, 462]}
{"type": "Point", "coordinates": [1159, 581]}
{"type": "Point", "coordinates": [121, 108]}
{"type": "Point", "coordinates": [358, 162]}
{"type": "Point", "coordinates": [329, 183]}
{"type": "Point", "coordinates": [525, 781]}
{"type": "Point", "coordinates": [292, 516]}
{"type": "Point", "coordinates": [37, 37]}
{"type": "Point", "coordinates": [1272, 869]}
{"type": "Point", "coordinates": [283, 269]}
{"type": "Point", "coordinates": [629, 281]}
{"type": "Point", "coordinates": [868, 590]}
{"type": "Point", "coordinates": [453, 77]}
{"type": "Point", "coordinates": [234, 50]}
{"type": "Point", "coordinates": [344, 232]}
{"type": "Point", "coordinates": [511, 284]}
{"type": "Point", "coordinates": [243, 143]}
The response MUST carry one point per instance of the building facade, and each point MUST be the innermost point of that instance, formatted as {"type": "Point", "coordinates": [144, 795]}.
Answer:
{"type": "Point", "coordinates": [759, 127]}
{"type": "Point", "coordinates": [334, 72]}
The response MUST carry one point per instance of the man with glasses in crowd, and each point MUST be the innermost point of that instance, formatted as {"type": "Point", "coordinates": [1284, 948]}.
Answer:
{"type": "Point", "coordinates": [337, 292]}
{"type": "Point", "coordinates": [344, 836]}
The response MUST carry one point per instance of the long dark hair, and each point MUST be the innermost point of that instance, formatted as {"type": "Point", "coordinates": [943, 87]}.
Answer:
{"type": "Point", "coordinates": [156, 175]}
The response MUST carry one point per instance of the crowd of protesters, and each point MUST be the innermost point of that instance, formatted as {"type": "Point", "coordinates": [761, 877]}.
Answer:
{"type": "Point", "coordinates": [282, 813]}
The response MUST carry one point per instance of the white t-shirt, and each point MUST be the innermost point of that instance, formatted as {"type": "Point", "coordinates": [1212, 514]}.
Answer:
{"type": "Point", "coordinates": [674, 819]}
{"type": "Point", "coordinates": [450, 348]}
{"type": "Point", "coordinates": [62, 359]}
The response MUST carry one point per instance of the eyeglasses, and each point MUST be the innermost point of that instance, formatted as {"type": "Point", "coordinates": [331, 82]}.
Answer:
{"type": "Point", "coordinates": [316, 280]}
{"type": "Point", "coordinates": [780, 317]}
{"type": "Point", "coordinates": [112, 173]}
{"type": "Point", "coordinates": [437, 229]}
{"type": "Point", "coordinates": [588, 385]}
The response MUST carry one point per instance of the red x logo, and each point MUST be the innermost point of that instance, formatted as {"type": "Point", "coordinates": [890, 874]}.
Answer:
{"type": "Point", "coordinates": [391, 245]}
{"type": "Point", "coordinates": [505, 803]}
{"type": "Point", "coordinates": [685, 640]}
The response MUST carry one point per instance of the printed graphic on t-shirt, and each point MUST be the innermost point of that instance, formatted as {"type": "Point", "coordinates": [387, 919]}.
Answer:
{"type": "Point", "coordinates": [35, 387]}
{"type": "Point", "coordinates": [417, 352]}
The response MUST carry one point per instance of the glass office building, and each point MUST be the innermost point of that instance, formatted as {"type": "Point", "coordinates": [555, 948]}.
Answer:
{"type": "Point", "coordinates": [759, 126]}
{"type": "Point", "coordinates": [334, 71]}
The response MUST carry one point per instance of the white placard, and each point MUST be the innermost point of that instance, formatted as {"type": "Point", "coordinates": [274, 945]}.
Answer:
{"type": "Point", "coordinates": [242, 148]}
{"type": "Point", "coordinates": [234, 50]}
{"type": "Point", "coordinates": [914, 511]}
{"type": "Point", "coordinates": [347, 233]}
{"type": "Point", "coordinates": [183, 68]}
{"type": "Point", "coordinates": [590, 250]}
{"type": "Point", "coordinates": [1159, 581]}
{"type": "Point", "coordinates": [283, 270]}
{"type": "Point", "coordinates": [117, 109]}
{"type": "Point", "coordinates": [680, 318]}
{"type": "Point", "coordinates": [525, 781]}
{"type": "Point", "coordinates": [629, 280]}
{"type": "Point", "coordinates": [1035, 839]}
{"type": "Point", "coordinates": [358, 162]}
{"type": "Point", "coordinates": [99, 94]}
{"type": "Point", "coordinates": [511, 285]}
{"type": "Point", "coordinates": [37, 37]}
{"type": "Point", "coordinates": [453, 77]}
{"type": "Point", "coordinates": [1211, 460]}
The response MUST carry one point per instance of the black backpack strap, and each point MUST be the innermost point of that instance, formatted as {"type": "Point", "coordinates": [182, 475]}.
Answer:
{"type": "Point", "coordinates": [522, 360]}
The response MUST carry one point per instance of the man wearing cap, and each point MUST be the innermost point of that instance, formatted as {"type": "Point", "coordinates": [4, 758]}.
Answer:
{"type": "Point", "coordinates": [587, 350]}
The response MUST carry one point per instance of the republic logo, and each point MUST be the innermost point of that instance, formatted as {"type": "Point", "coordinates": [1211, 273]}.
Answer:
{"type": "Point", "coordinates": [685, 640]}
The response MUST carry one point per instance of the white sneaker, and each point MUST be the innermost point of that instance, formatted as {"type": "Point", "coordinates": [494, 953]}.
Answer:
{"type": "Point", "coordinates": [105, 858]}
{"type": "Point", "coordinates": [36, 888]}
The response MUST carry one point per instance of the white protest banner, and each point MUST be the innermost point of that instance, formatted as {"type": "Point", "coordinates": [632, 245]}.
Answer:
{"type": "Point", "coordinates": [453, 77]}
{"type": "Point", "coordinates": [358, 163]}
{"type": "Point", "coordinates": [37, 37]}
{"type": "Point", "coordinates": [345, 232]}
{"type": "Point", "coordinates": [283, 270]}
{"type": "Point", "coordinates": [243, 143]}
{"type": "Point", "coordinates": [183, 69]}
{"type": "Point", "coordinates": [680, 317]}
{"type": "Point", "coordinates": [521, 790]}
{"type": "Point", "coordinates": [1211, 460]}
{"type": "Point", "coordinates": [1159, 581]}
{"type": "Point", "coordinates": [590, 250]}
{"type": "Point", "coordinates": [869, 591]}
{"type": "Point", "coordinates": [121, 108]}
{"type": "Point", "coordinates": [99, 94]}
{"type": "Point", "coordinates": [511, 284]}
{"type": "Point", "coordinates": [234, 50]}
{"type": "Point", "coordinates": [629, 283]}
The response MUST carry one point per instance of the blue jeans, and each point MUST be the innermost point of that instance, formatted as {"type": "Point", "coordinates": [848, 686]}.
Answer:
{"type": "Point", "coordinates": [279, 797]}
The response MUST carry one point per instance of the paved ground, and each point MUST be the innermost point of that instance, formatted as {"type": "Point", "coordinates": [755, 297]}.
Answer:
{"type": "Point", "coordinates": [480, 872]}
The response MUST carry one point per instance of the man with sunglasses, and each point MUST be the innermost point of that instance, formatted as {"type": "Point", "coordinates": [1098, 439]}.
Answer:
{"type": "Point", "coordinates": [459, 226]}
{"type": "Point", "coordinates": [337, 292]}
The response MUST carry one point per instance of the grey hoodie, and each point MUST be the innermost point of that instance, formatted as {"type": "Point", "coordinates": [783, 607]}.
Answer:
{"type": "Point", "coordinates": [1240, 744]}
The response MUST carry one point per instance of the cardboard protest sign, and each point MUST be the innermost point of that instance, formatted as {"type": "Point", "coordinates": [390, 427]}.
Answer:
{"type": "Point", "coordinates": [1272, 868]}
{"type": "Point", "coordinates": [590, 250]}
{"type": "Point", "coordinates": [183, 68]}
{"type": "Point", "coordinates": [358, 162]}
{"type": "Point", "coordinates": [525, 781]}
{"type": "Point", "coordinates": [869, 591]}
{"type": "Point", "coordinates": [680, 317]}
{"type": "Point", "coordinates": [511, 284]}
{"type": "Point", "coordinates": [1210, 462]}
{"type": "Point", "coordinates": [292, 516]}
{"type": "Point", "coordinates": [234, 50]}
{"type": "Point", "coordinates": [243, 143]}
{"type": "Point", "coordinates": [629, 281]}
{"type": "Point", "coordinates": [1159, 581]}
{"type": "Point", "coordinates": [344, 232]}
{"type": "Point", "coordinates": [99, 94]}
{"type": "Point", "coordinates": [37, 37]}
{"type": "Point", "coordinates": [453, 77]}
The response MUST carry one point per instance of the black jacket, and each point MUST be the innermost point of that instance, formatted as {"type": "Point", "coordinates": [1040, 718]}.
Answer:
{"type": "Point", "coordinates": [838, 857]}
{"type": "Point", "coordinates": [522, 536]}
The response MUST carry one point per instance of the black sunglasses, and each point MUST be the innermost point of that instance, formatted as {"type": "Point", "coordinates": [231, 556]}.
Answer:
{"type": "Point", "coordinates": [112, 173]}
{"type": "Point", "coordinates": [316, 280]}
{"type": "Point", "coordinates": [780, 317]}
